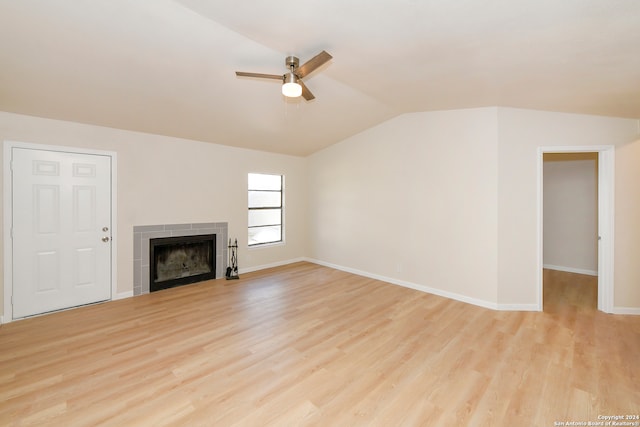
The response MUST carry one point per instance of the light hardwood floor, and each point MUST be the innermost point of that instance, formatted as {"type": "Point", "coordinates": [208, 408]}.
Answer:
{"type": "Point", "coordinates": [308, 345]}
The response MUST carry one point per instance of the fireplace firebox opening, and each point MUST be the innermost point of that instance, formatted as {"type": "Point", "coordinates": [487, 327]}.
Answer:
{"type": "Point", "coordinates": [182, 260]}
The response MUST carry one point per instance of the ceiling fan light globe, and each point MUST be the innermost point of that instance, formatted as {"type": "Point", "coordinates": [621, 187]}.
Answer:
{"type": "Point", "coordinates": [291, 90]}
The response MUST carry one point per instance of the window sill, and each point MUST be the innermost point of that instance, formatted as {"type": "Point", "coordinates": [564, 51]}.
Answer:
{"type": "Point", "coordinates": [265, 245]}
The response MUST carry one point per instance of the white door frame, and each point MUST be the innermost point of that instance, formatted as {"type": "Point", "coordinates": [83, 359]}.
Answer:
{"type": "Point", "coordinates": [606, 178]}
{"type": "Point", "coordinates": [8, 215]}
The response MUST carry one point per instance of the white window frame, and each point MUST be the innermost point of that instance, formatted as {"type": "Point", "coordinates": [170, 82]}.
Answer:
{"type": "Point", "coordinates": [281, 208]}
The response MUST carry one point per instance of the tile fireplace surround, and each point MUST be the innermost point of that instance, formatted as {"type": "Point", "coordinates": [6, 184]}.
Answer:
{"type": "Point", "coordinates": [143, 233]}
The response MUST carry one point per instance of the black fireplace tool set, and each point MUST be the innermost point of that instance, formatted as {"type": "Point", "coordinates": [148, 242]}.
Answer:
{"type": "Point", "coordinates": [232, 269]}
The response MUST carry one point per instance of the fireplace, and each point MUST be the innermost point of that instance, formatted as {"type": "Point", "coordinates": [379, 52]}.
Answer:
{"type": "Point", "coordinates": [142, 234]}
{"type": "Point", "coordinates": [181, 260]}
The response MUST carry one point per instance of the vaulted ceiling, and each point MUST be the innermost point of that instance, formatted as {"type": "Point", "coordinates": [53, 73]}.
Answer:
{"type": "Point", "coordinates": [167, 66]}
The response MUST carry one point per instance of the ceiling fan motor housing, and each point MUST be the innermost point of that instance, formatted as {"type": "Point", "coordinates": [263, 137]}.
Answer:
{"type": "Point", "coordinates": [292, 62]}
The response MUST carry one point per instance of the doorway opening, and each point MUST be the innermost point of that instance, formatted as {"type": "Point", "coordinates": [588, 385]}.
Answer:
{"type": "Point", "coordinates": [594, 254]}
{"type": "Point", "coordinates": [570, 231]}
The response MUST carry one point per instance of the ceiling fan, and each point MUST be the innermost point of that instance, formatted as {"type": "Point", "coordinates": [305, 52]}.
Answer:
{"type": "Point", "coordinates": [292, 85]}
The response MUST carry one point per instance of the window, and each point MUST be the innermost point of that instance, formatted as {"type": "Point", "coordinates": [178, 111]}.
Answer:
{"type": "Point", "coordinates": [265, 208]}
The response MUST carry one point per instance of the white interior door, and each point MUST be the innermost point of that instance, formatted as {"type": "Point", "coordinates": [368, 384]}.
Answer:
{"type": "Point", "coordinates": [61, 230]}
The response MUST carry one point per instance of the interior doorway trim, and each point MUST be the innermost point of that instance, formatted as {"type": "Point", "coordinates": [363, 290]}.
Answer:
{"type": "Point", "coordinates": [606, 177]}
{"type": "Point", "coordinates": [8, 215]}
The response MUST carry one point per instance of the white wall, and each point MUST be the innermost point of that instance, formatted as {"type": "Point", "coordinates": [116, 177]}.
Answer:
{"type": "Point", "coordinates": [447, 201]}
{"type": "Point", "coordinates": [627, 223]}
{"type": "Point", "coordinates": [164, 180]}
{"type": "Point", "coordinates": [520, 134]}
{"type": "Point", "coordinates": [413, 200]}
{"type": "Point", "coordinates": [571, 212]}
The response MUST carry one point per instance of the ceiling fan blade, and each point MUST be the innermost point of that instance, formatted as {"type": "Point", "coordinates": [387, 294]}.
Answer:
{"type": "Point", "coordinates": [262, 76]}
{"type": "Point", "coordinates": [306, 93]}
{"type": "Point", "coordinates": [313, 63]}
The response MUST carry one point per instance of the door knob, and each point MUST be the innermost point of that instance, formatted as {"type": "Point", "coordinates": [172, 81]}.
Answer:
{"type": "Point", "coordinates": [105, 228]}
{"type": "Point", "coordinates": [105, 239]}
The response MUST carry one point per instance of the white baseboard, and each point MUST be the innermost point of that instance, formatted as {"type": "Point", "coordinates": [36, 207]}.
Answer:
{"type": "Point", "coordinates": [415, 286]}
{"type": "Point", "coordinates": [570, 269]}
{"type": "Point", "coordinates": [632, 311]}
{"type": "Point", "coordinates": [518, 307]}
{"type": "Point", "coordinates": [265, 266]}
{"type": "Point", "coordinates": [123, 295]}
